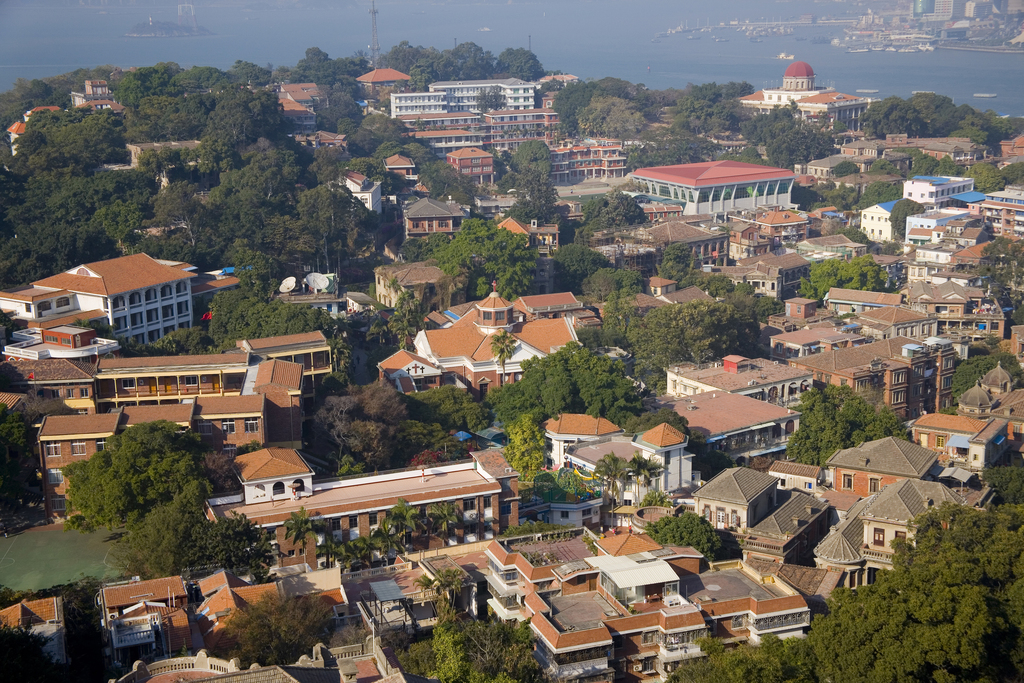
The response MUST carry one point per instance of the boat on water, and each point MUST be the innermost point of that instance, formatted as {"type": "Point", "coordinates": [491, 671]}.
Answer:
{"type": "Point", "coordinates": [757, 40]}
{"type": "Point", "coordinates": [986, 95]}
{"type": "Point", "coordinates": [926, 48]}
{"type": "Point", "coordinates": [877, 48]}
{"type": "Point", "coordinates": [721, 40]}
{"type": "Point", "coordinates": [783, 55]}
{"type": "Point", "coordinates": [483, 29]}
{"type": "Point", "coordinates": [868, 91]}
{"type": "Point", "coordinates": [890, 49]}
{"type": "Point", "coordinates": [907, 49]}
{"type": "Point", "coordinates": [858, 49]}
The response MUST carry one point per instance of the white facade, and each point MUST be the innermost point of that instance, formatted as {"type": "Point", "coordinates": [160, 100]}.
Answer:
{"type": "Point", "coordinates": [933, 223]}
{"type": "Point", "coordinates": [446, 97]}
{"type": "Point", "coordinates": [935, 191]}
{"type": "Point", "coordinates": [874, 221]}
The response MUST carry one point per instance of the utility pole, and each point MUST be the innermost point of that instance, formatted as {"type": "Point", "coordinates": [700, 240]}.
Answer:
{"type": "Point", "coordinates": [374, 43]}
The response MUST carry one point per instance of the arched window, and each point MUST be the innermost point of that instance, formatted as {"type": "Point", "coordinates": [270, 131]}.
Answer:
{"type": "Point", "coordinates": [135, 298]}
{"type": "Point", "coordinates": [790, 426]}
{"type": "Point", "coordinates": [118, 302]}
{"type": "Point", "coordinates": [166, 291]}
{"type": "Point", "coordinates": [279, 488]}
{"type": "Point", "coordinates": [150, 294]}
{"type": "Point", "coordinates": [63, 301]}
{"type": "Point", "coordinates": [299, 485]}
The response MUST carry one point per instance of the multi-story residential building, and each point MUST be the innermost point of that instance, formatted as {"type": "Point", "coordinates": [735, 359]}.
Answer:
{"type": "Point", "coordinates": [758, 378]}
{"type": "Point", "coordinates": [463, 353]}
{"type": "Point", "coordinates": [797, 476]}
{"type": "Point", "coordinates": [663, 444]}
{"type": "Point", "coordinates": [473, 162]}
{"type": "Point", "coordinates": [862, 543]}
{"type": "Point", "coordinates": [557, 305]}
{"type": "Point", "coordinates": [895, 321]}
{"type": "Point", "coordinates": [782, 226]}
{"type": "Point", "coordinates": [409, 373]}
{"type": "Point", "coordinates": [913, 377]}
{"type": "Point", "coordinates": [875, 223]}
{"type": "Point", "coordinates": [444, 141]}
{"type": "Point", "coordinates": [739, 426]}
{"type": "Point", "coordinates": [935, 192]}
{"type": "Point", "coordinates": [302, 118]}
{"type": "Point", "coordinates": [507, 129]}
{"type": "Point", "coordinates": [964, 441]}
{"type": "Point", "coordinates": [420, 278]}
{"type": "Point", "coordinates": [1004, 210]}
{"type": "Point", "coordinates": [807, 342]}
{"type": "Point", "coordinates": [587, 160]}
{"type": "Point", "coordinates": [139, 296]}
{"type": "Point", "coordinates": [365, 190]}
{"type": "Point", "coordinates": [378, 79]}
{"type": "Point", "coordinates": [931, 225]}
{"type": "Point", "coordinates": [963, 310]}
{"type": "Point", "coordinates": [402, 165]}
{"type": "Point", "coordinates": [746, 240]}
{"type": "Point", "coordinates": [737, 498]}
{"type": "Point", "coordinates": [428, 216]}
{"type": "Point", "coordinates": [93, 90]}
{"type": "Point", "coordinates": [151, 380]}
{"type": "Point", "coordinates": [870, 467]}
{"type": "Point", "coordinates": [277, 482]}
{"type": "Point", "coordinates": [709, 246]}
{"type": "Point", "coordinates": [145, 620]}
{"type": "Point", "coordinates": [70, 381]}
{"type": "Point", "coordinates": [719, 186]}
{"type": "Point", "coordinates": [444, 97]}
{"type": "Point", "coordinates": [543, 238]}
{"type": "Point", "coordinates": [855, 300]}
{"type": "Point", "coordinates": [570, 428]}
{"type": "Point", "coordinates": [784, 273]}
{"type": "Point", "coordinates": [895, 268]}
{"type": "Point", "coordinates": [64, 439]}
{"type": "Point", "coordinates": [43, 618]}
{"type": "Point", "coordinates": [64, 341]}
{"type": "Point", "coordinates": [310, 351]}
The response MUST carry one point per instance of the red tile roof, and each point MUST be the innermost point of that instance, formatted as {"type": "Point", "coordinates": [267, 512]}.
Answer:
{"type": "Point", "coordinates": [628, 544]}
{"type": "Point", "coordinates": [281, 373]}
{"type": "Point", "coordinates": [115, 276]}
{"type": "Point", "coordinates": [712, 173]}
{"type": "Point", "coordinates": [155, 590]}
{"type": "Point", "coordinates": [664, 435]}
{"type": "Point", "coordinates": [271, 462]}
{"type": "Point", "coordinates": [574, 423]}
{"type": "Point", "coordinates": [28, 613]}
{"type": "Point", "coordinates": [383, 76]}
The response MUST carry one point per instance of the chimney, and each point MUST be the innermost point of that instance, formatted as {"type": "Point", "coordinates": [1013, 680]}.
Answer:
{"type": "Point", "coordinates": [809, 509]}
{"type": "Point", "coordinates": [863, 462]}
{"type": "Point", "coordinates": [796, 521]}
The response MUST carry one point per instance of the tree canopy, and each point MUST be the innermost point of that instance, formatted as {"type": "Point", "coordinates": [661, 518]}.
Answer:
{"type": "Point", "coordinates": [687, 529]}
{"type": "Point", "coordinates": [574, 263]}
{"type": "Point", "coordinates": [973, 369]}
{"type": "Point", "coordinates": [144, 466]}
{"type": "Point", "coordinates": [860, 273]}
{"type": "Point", "coordinates": [836, 418]}
{"type": "Point", "coordinates": [571, 380]}
{"type": "Point", "coordinates": [898, 217]}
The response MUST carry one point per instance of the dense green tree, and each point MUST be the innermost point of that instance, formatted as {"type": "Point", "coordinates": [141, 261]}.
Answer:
{"type": "Point", "coordinates": [520, 63]}
{"type": "Point", "coordinates": [860, 273]}
{"type": "Point", "coordinates": [639, 424]}
{"type": "Point", "coordinates": [418, 249]}
{"type": "Point", "coordinates": [574, 263]}
{"type": "Point", "coordinates": [143, 466]}
{"type": "Point", "coordinates": [532, 154]}
{"type": "Point", "coordinates": [490, 99]}
{"type": "Point", "coordinates": [612, 210]}
{"type": "Point", "coordinates": [687, 529]}
{"type": "Point", "coordinates": [987, 178]}
{"type": "Point", "coordinates": [952, 596]}
{"type": "Point", "coordinates": [799, 145]}
{"type": "Point", "coordinates": [611, 117]}
{"type": "Point", "coordinates": [1013, 174]}
{"type": "Point", "coordinates": [249, 73]}
{"type": "Point", "coordinates": [482, 253]}
{"type": "Point", "coordinates": [836, 418]}
{"type": "Point", "coordinates": [606, 281]}
{"type": "Point", "coordinates": [1005, 256]}
{"type": "Point", "coordinates": [668, 146]}
{"type": "Point", "coordinates": [571, 380]}
{"type": "Point", "coordinates": [570, 101]}
{"type": "Point", "coordinates": [773, 661]}
{"type": "Point", "coordinates": [898, 217]}
{"type": "Point", "coordinates": [317, 67]}
{"type": "Point", "coordinates": [892, 115]}
{"type": "Point", "coordinates": [244, 116]}
{"type": "Point", "coordinates": [970, 371]}
{"type": "Point", "coordinates": [710, 108]}
{"type": "Point", "coordinates": [676, 261]}
{"type": "Point", "coordinates": [444, 182]}
{"type": "Point", "coordinates": [1007, 482]}
{"type": "Point", "coordinates": [879, 192]}
{"type": "Point", "coordinates": [845, 168]}
{"type": "Point", "coordinates": [13, 441]}
{"type": "Point", "coordinates": [200, 78]}
{"type": "Point", "coordinates": [525, 449]}
{"type": "Point", "coordinates": [237, 315]}
{"type": "Point", "coordinates": [147, 81]}
{"type": "Point", "coordinates": [276, 630]}
{"type": "Point", "coordinates": [25, 657]}
{"type": "Point", "coordinates": [70, 143]}
{"type": "Point", "coordinates": [535, 197]}
{"type": "Point", "coordinates": [684, 332]}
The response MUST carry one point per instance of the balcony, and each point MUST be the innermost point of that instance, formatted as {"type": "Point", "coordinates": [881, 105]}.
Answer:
{"type": "Point", "coordinates": [128, 635]}
{"type": "Point", "coordinates": [488, 514]}
{"type": "Point", "coordinates": [470, 516]}
{"type": "Point", "coordinates": [676, 652]}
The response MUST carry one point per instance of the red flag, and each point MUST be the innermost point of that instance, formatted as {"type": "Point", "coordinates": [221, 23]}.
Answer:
{"type": "Point", "coordinates": [31, 375]}
{"type": "Point", "coordinates": [208, 315]}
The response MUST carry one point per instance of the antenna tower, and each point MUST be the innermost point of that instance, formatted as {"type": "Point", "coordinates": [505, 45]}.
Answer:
{"type": "Point", "coordinates": [374, 43]}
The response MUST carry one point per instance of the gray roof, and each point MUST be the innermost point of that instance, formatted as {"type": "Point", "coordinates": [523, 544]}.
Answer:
{"type": "Point", "coordinates": [908, 498]}
{"type": "Point", "coordinates": [737, 485]}
{"type": "Point", "coordinates": [842, 545]}
{"type": "Point", "coordinates": [488, 81]}
{"type": "Point", "coordinates": [427, 208]}
{"type": "Point", "coordinates": [792, 504]}
{"type": "Point", "coordinates": [886, 456]}
{"type": "Point", "coordinates": [279, 674]}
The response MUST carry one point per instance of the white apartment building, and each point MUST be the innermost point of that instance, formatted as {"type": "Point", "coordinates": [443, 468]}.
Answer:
{"type": "Point", "coordinates": [935, 192]}
{"type": "Point", "coordinates": [444, 97]}
{"type": "Point", "coordinates": [874, 221]}
{"type": "Point", "coordinates": [140, 297]}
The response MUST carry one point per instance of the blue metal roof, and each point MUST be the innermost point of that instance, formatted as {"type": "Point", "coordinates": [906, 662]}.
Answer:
{"type": "Point", "coordinates": [969, 196]}
{"type": "Point", "coordinates": [932, 178]}
{"type": "Point", "coordinates": [887, 206]}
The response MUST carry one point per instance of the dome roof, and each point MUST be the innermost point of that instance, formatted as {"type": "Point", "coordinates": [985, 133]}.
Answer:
{"type": "Point", "coordinates": [493, 302]}
{"type": "Point", "coordinates": [799, 70]}
{"type": "Point", "coordinates": [996, 377]}
{"type": "Point", "coordinates": [976, 397]}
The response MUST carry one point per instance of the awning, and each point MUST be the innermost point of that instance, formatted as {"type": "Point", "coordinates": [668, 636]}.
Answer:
{"type": "Point", "coordinates": [958, 441]}
{"type": "Point", "coordinates": [628, 573]}
{"type": "Point", "coordinates": [387, 591]}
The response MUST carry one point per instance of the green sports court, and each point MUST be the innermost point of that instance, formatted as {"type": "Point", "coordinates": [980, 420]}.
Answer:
{"type": "Point", "coordinates": [47, 556]}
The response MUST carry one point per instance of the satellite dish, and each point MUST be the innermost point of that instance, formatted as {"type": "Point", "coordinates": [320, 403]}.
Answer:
{"type": "Point", "coordinates": [287, 285]}
{"type": "Point", "coordinates": [317, 281]}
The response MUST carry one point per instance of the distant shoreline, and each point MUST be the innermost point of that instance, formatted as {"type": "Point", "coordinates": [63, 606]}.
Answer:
{"type": "Point", "coordinates": [983, 48]}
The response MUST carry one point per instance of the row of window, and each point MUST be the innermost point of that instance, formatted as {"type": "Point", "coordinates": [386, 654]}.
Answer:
{"type": "Point", "coordinates": [52, 449]}
{"type": "Point", "coordinates": [252, 426]}
{"type": "Point", "coordinates": [62, 302]}
{"type": "Point", "coordinates": [150, 295]}
{"type": "Point", "coordinates": [152, 315]}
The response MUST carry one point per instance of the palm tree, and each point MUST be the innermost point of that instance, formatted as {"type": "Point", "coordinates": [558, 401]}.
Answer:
{"type": "Point", "coordinates": [345, 554]}
{"type": "Point", "coordinates": [387, 537]}
{"type": "Point", "coordinates": [362, 549]}
{"type": "Point", "coordinates": [644, 471]}
{"type": "Point", "coordinates": [330, 547]}
{"type": "Point", "coordinates": [299, 527]}
{"type": "Point", "coordinates": [446, 583]}
{"type": "Point", "coordinates": [503, 345]}
{"type": "Point", "coordinates": [612, 469]}
{"type": "Point", "coordinates": [443, 516]}
{"type": "Point", "coordinates": [407, 516]}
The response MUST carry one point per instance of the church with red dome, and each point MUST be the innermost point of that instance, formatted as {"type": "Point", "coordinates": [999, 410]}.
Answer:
{"type": "Point", "coordinates": [822, 104]}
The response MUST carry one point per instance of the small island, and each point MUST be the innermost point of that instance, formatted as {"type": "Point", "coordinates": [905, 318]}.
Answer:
{"type": "Point", "coordinates": [165, 29]}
